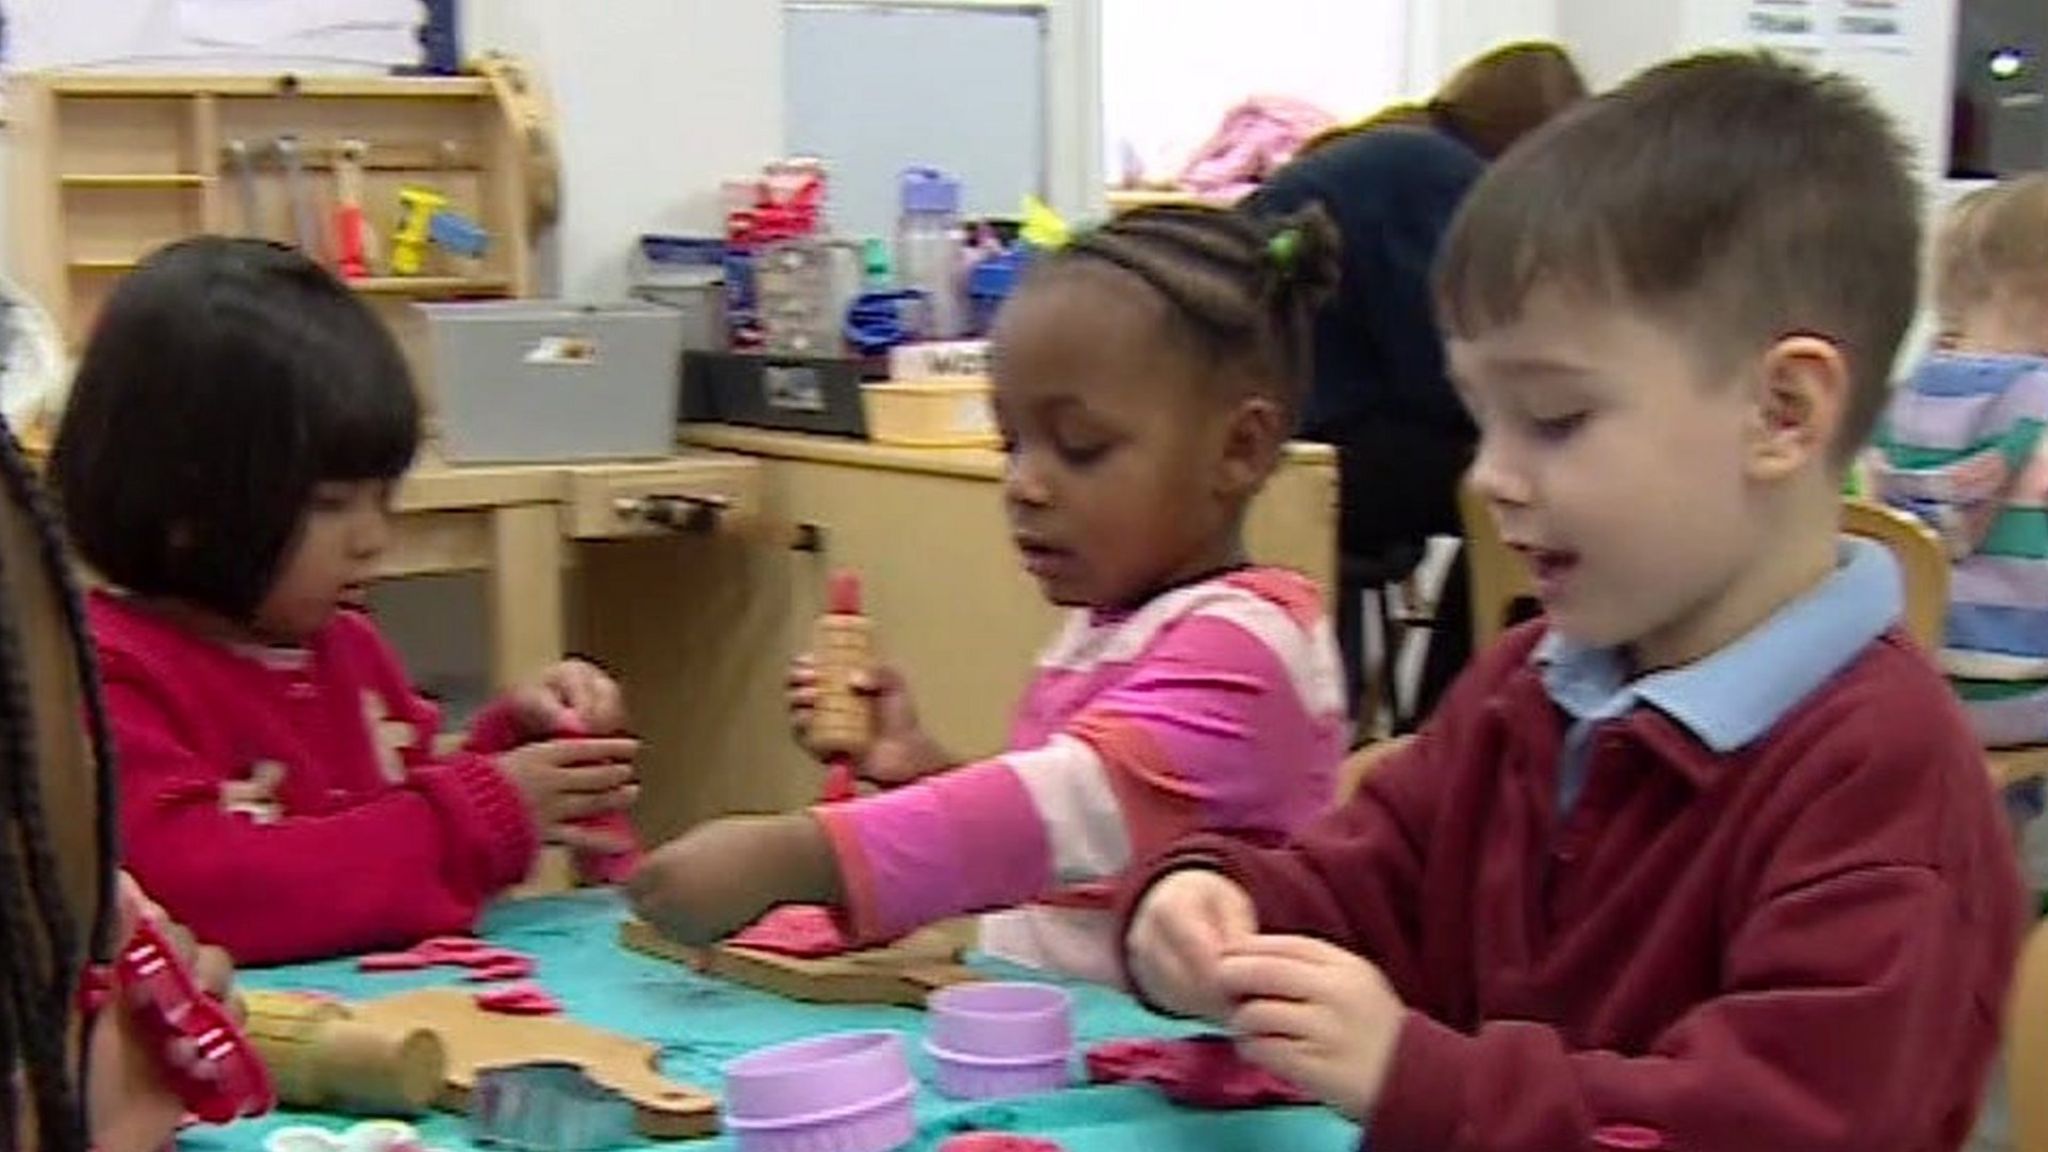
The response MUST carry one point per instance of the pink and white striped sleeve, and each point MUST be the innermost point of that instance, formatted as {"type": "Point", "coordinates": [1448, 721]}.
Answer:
{"type": "Point", "coordinates": [1231, 720]}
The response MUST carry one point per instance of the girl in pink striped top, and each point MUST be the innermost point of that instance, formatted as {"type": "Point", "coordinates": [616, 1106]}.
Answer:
{"type": "Point", "coordinates": [1146, 378]}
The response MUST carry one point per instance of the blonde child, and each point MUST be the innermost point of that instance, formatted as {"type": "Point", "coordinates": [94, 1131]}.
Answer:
{"type": "Point", "coordinates": [1709, 850]}
{"type": "Point", "coordinates": [225, 466]}
{"type": "Point", "coordinates": [1962, 447]}
{"type": "Point", "coordinates": [1146, 378]}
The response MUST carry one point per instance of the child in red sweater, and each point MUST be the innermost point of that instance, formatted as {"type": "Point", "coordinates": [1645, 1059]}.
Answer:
{"type": "Point", "coordinates": [1710, 851]}
{"type": "Point", "coordinates": [225, 465]}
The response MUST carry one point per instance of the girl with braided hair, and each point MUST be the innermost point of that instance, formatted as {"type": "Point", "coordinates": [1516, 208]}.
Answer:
{"type": "Point", "coordinates": [1145, 380]}
{"type": "Point", "coordinates": [79, 1079]}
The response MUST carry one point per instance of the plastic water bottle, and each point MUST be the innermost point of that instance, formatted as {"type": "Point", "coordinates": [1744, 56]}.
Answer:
{"type": "Point", "coordinates": [928, 248]}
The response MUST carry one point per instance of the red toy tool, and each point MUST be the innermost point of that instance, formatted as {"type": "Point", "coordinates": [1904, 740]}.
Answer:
{"type": "Point", "coordinates": [203, 1055]}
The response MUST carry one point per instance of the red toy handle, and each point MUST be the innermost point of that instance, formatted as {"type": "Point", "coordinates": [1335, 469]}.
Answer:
{"type": "Point", "coordinates": [203, 1055]}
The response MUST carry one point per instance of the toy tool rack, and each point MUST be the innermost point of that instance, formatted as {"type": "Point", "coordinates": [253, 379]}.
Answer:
{"type": "Point", "coordinates": [107, 167]}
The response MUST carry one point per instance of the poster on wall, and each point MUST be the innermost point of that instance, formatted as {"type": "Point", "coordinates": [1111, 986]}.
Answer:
{"type": "Point", "coordinates": [1882, 27]}
{"type": "Point", "coordinates": [1794, 27]}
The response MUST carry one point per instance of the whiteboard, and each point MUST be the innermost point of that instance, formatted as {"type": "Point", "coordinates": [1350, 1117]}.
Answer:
{"type": "Point", "coordinates": [874, 88]}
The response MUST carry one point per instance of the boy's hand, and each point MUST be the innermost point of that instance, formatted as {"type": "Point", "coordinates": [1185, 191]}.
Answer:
{"type": "Point", "coordinates": [1314, 1015]}
{"type": "Point", "coordinates": [567, 780]}
{"type": "Point", "coordinates": [900, 751]}
{"type": "Point", "coordinates": [573, 697]}
{"type": "Point", "coordinates": [1185, 924]}
{"type": "Point", "coordinates": [130, 1108]}
{"type": "Point", "coordinates": [720, 877]}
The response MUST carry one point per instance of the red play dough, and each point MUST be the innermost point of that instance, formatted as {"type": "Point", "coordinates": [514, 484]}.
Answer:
{"type": "Point", "coordinates": [997, 1142]}
{"type": "Point", "coordinates": [1200, 1072]}
{"type": "Point", "coordinates": [510, 968]}
{"type": "Point", "coordinates": [805, 931]}
{"type": "Point", "coordinates": [393, 962]}
{"type": "Point", "coordinates": [525, 999]}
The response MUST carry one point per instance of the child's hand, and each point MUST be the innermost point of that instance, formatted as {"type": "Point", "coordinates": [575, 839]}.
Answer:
{"type": "Point", "coordinates": [900, 752]}
{"type": "Point", "coordinates": [1184, 926]}
{"type": "Point", "coordinates": [1314, 1015]}
{"type": "Point", "coordinates": [130, 1109]}
{"type": "Point", "coordinates": [722, 876]}
{"type": "Point", "coordinates": [573, 697]}
{"type": "Point", "coordinates": [567, 780]}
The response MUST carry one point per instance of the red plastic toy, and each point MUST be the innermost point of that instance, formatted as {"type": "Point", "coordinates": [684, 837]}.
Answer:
{"type": "Point", "coordinates": [206, 1060]}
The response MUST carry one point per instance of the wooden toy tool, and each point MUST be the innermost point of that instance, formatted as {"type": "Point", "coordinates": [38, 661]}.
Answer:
{"type": "Point", "coordinates": [902, 974]}
{"type": "Point", "coordinates": [325, 1060]}
{"type": "Point", "coordinates": [477, 1041]}
{"type": "Point", "coordinates": [842, 723]}
{"type": "Point", "coordinates": [305, 220]}
{"type": "Point", "coordinates": [244, 166]}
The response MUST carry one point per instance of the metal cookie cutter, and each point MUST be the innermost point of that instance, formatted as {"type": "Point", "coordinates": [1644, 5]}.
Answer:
{"type": "Point", "coordinates": [548, 1107]}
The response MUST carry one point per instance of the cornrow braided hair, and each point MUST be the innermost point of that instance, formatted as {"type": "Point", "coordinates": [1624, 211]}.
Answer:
{"type": "Point", "coordinates": [1243, 290]}
{"type": "Point", "coordinates": [39, 985]}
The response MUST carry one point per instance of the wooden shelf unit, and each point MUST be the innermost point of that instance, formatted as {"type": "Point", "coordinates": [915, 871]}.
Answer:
{"type": "Point", "coordinates": [106, 168]}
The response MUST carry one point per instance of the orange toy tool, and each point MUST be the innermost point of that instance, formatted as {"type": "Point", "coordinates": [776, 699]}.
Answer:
{"type": "Point", "coordinates": [350, 229]}
{"type": "Point", "coordinates": [841, 725]}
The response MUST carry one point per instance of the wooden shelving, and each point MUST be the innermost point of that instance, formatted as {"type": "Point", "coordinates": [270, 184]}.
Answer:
{"type": "Point", "coordinates": [434, 287]}
{"type": "Point", "coordinates": [106, 168]}
{"type": "Point", "coordinates": [132, 180]}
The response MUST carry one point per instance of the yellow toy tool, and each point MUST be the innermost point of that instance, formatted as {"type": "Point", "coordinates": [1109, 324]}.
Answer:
{"type": "Point", "coordinates": [417, 207]}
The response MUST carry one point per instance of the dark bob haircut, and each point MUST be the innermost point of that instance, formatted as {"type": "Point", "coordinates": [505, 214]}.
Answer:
{"type": "Point", "coordinates": [223, 381]}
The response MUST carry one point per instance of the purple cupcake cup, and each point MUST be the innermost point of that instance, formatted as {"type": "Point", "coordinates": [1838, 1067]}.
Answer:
{"type": "Point", "coordinates": [1000, 1039]}
{"type": "Point", "coordinates": [848, 1092]}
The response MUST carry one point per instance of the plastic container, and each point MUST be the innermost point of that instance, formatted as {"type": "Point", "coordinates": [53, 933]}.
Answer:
{"type": "Point", "coordinates": [849, 1092]}
{"type": "Point", "coordinates": [536, 381]}
{"type": "Point", "coordinates": [928, 248]}
{"type": "Point", "coordinates": [1001, 1039]}
{"type": "Point", "coordinates": [939, 412]}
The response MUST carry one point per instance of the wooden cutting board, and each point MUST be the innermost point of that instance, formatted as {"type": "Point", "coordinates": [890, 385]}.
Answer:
{"type": "Point", "coordinates": [663, 1109]}
{"type": "Point", "coordinates": [902, 974]}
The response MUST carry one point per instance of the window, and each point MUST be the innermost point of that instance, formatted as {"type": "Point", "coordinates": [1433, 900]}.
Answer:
{"type": "Point", "coordinates": [1171, 69]}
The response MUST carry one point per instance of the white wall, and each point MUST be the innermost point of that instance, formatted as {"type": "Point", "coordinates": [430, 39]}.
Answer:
{"type": "Point", "coordinates": [658, 101]}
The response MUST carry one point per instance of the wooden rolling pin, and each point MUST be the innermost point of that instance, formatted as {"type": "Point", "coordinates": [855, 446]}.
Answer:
{"type": "Point", "coordinates": [842, 724]}
{"type": "Point", "coordinates": [324, 1059]}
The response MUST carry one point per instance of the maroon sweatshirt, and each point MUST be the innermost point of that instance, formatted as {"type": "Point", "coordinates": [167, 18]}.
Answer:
{"type": "Point", "coordinates": [1802, 945]}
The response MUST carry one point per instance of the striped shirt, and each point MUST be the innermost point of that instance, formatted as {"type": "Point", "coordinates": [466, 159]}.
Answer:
{"type": "Point", "coordinates": [1962, 448]}
{"type": "Point", "coordinates": [1215, 706]}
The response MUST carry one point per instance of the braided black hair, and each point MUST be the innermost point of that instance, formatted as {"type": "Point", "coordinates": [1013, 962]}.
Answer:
{"type": "Point", "coordinates": [41, 959]}
{"type": "Point", "coordinates": [1242, 290]}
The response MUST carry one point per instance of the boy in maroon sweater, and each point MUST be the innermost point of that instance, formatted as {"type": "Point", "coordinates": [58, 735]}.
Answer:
{"type": "Point", "coordinates": [1711, 850]}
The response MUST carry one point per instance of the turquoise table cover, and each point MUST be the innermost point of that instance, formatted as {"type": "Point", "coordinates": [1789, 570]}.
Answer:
{"type": "Point", "coordinates": [700, 1023]}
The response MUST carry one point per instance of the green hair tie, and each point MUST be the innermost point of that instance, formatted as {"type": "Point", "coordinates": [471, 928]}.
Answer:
{"type": "Point", "coordinates": [1283, 248]}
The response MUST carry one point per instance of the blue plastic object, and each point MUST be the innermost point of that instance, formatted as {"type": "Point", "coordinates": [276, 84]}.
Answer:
{"type": "Point", "coordinates": [991, 282]}
{"type": "Point", "coordinates": [676, 252]}
{"type": "Point", "coordinates": [875, 322]}
{"type": "Point", "coordinates": [458, 234]}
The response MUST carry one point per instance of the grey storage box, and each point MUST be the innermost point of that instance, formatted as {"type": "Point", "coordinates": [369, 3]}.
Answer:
{"type": "Point", "coordinates": [534, 381]}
